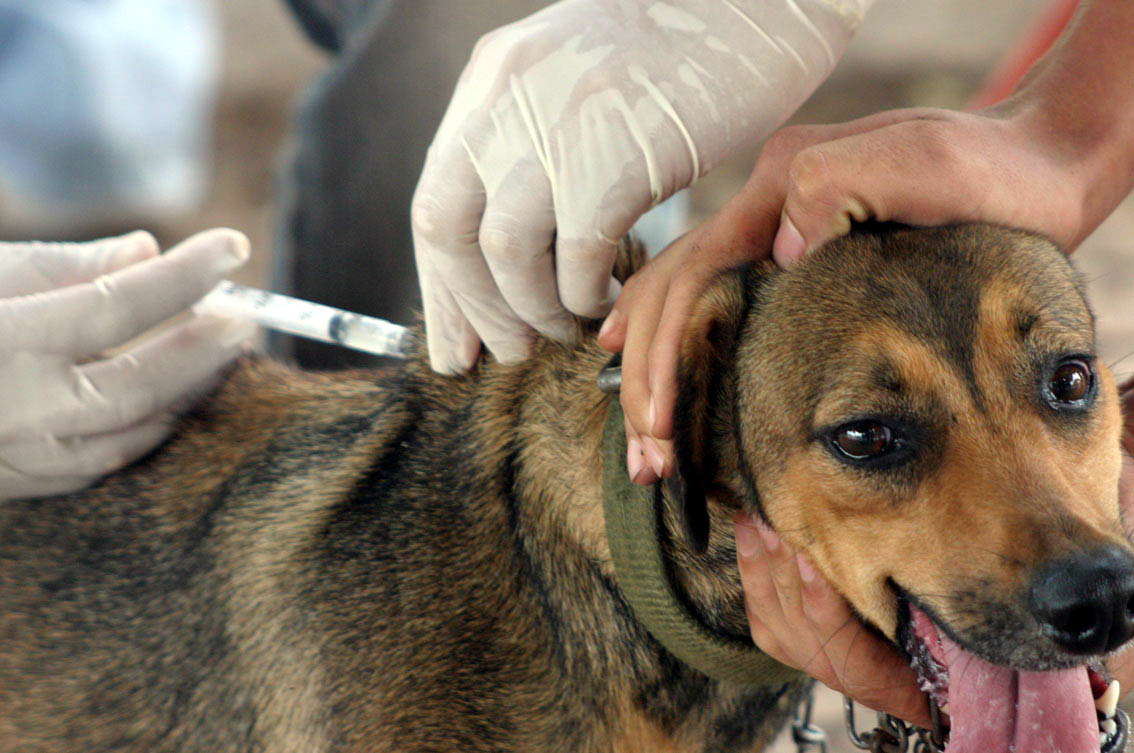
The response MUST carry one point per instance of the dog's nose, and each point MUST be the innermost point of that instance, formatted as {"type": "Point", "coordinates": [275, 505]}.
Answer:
{"type": "Point", "coordinates": [1086, 600]}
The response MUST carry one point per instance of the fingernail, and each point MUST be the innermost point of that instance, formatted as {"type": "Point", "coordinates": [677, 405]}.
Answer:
{"type": "Point", "coordinates": [768, 536]}
{"type": "Point", "coordinates": [634, 459]}
{"type": "Point", "coordinates": [654, 456]}
{"type": "Point", "coordinates": [240, 247]}
{"type": "Point", "coordinates": [135, 246]}
{"type": "Point", "coordinates": [807, 571]}
{"type": "Point", "coordinates": [789, 246]}
{"type": "Point", "coordinates": [612, 322]}
{"type": "Point", "coordinates": [227, 249]}
{"type": "Point", "coordinates": [561, 329]}
{"type": "Point", "coordinates": [646, 477]}
{"type": "Point", "coordinates": [747, 540]}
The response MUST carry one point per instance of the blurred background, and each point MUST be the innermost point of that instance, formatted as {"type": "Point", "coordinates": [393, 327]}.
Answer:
{"type": "Point", "coordinates": [306, 131]}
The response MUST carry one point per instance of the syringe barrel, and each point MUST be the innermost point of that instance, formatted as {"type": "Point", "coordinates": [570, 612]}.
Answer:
{"type": "Point", "coordinates": [306, 319]}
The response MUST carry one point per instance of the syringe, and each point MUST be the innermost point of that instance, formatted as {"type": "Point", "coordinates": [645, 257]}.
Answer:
{"type": "Point", "coordinates": [305, 319]}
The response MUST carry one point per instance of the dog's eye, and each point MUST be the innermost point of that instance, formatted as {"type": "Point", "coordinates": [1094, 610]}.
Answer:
{"type": "Point", "coordinates": [1070, 384]}
{"type": "Point", "coordinates": [863, 439]}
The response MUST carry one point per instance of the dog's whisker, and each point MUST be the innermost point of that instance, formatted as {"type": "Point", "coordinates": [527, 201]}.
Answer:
{"type": "Point", "coordinates": [1000, 555]}
{"type": "Point", "coordinates": [1119, 360]}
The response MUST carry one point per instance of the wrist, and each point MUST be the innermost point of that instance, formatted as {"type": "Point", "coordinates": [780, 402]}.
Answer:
{"type": "Point", "coordinates": [1075, 106]}
{"type": "Point", "coordinates": [1091, 158]}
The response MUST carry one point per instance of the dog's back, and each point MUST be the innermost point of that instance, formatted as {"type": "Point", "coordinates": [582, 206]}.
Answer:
{"type": "Point", "coordinates": [363, 561]}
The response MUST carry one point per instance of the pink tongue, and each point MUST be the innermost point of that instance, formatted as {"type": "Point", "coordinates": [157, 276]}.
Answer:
{"type": "Point", "coordinates": [997, 710]}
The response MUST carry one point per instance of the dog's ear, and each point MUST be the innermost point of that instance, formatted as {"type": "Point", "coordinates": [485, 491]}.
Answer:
{"type": "Point", "coordinates": [704, 401]}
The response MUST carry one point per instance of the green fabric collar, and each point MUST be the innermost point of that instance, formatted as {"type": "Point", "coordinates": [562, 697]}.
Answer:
{"type": "Point", "coordinates": [633, 530]}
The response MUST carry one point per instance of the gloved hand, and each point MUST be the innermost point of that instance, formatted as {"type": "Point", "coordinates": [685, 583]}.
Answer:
{"type": "Point", "coordinates": [568, 125]}
{"type": "Point", "coordinates": [69, 413]}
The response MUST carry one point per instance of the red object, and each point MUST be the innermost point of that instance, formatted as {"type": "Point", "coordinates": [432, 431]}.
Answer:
{"type": "Point", "coordinates": [1032, 45]}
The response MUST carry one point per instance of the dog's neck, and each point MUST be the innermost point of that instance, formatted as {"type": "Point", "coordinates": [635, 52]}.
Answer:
{"type": "Point", "coordinates": [560, 468]}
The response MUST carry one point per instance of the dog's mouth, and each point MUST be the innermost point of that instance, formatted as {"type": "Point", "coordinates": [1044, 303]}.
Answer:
{"type": "Point", "coordinates": [996, 709]}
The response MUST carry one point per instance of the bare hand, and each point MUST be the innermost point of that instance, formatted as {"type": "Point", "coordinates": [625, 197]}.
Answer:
{"type": "Point", "coordinates": [799, 620]}
{"type": "Point", "coordinates": [920, 167]}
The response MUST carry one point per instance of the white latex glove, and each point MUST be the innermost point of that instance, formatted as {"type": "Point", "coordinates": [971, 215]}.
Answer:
{"type": "Point", "coordinates": [567, 125]}
{"type": "Point", "coordinates": [67, 413]}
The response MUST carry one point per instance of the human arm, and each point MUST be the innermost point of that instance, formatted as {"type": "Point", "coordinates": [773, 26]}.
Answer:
{"type": "Point", "coordinates": [71, 413]}
{"type": "Point", "coordinates": [1055, 158]}
{"type": "Point", "coordinates": [569, 124]}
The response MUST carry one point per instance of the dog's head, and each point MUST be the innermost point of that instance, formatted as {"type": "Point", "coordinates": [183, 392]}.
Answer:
{"type": "Point", "coordinates": [922, 412]}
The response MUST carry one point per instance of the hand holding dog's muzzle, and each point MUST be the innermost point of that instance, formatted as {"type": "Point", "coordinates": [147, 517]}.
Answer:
{"type": "Point", "coordinates": [71, 413]}
{"type": "Point", "coordinates": [803, 623]}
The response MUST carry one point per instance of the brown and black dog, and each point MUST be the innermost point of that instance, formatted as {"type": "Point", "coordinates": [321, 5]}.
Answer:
{"type": "Point", "coordinates": [399, 561]}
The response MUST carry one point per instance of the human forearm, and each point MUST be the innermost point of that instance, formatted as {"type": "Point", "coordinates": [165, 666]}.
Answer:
{"type": "Point", "coordinates": [1079, 103]}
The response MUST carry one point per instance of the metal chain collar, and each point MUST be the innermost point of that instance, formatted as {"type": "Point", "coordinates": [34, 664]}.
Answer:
{"type": "Point", "coordinates": [892, 735]}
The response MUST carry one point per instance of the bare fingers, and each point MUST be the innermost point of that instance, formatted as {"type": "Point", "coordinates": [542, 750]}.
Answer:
{"type": "Point", "coordinates": [797, 618]}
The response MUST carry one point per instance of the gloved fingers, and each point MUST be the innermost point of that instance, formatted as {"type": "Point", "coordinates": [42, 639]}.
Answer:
{"type": "Point", "coordinates": [452, 269]}
{"type": "Point", "coordinates": [583, 269]}
{"type": "Point", "coordinates": [443, 215]}
{"type": "Point", "coordinates": [516, 236]}
{"type": "Point", "coordinates": [508, 338]}
{"type": "Point", "coordinates": [162, 374]}
{"type": "Point", "coordinates": [121, 305]}
{"type": "Point", "coordinates": [46, 465]}
{"type": "Point", "coordinates": [452, 342]}
{"type": "Point", "coordinates": [35, 267]}
{"type": "Point", "coordinates": [15, 484]}
{"type": "Point", "coordinates": [595, 208]}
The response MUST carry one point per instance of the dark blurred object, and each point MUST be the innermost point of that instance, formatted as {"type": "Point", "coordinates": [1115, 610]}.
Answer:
{"type": "Point", "coordinates": [360, 138]}
{"type": "Point", "coordinates": [328, 22]}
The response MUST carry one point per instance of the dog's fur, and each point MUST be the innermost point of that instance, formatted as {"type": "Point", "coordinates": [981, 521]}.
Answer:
{"type": "Point", "coordinates": [399, 561]}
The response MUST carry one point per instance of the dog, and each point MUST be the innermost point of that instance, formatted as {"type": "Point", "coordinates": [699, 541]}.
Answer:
{"type": "Point", "coordinates": [400, 561]}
